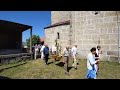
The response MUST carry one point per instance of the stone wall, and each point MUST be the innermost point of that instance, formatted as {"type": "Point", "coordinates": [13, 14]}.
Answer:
{"type": "Point", "coordinates": [59, 16]}
{"type": "Point", "coordinates": [92, 30]}
{"type": "Point", "coordinates": [51, 35]}
{"type": "Point", "coordinates": [88, 30]}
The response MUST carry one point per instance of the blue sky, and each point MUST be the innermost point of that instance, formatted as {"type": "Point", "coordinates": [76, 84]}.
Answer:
{"type": "Point", "coordinates": [37, 19]}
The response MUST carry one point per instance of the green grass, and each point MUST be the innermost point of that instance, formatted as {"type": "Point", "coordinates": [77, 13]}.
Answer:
{"type": "Point", "coordinates": [36, 69]}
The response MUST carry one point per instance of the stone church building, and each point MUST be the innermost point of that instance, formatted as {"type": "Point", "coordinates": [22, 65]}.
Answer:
{"type": "Point", "coordinates": [87, 29]}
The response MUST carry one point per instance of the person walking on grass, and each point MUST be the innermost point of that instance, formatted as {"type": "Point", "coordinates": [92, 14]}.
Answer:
{"type": "Point", "coordinates": [66, 59]}
{"type": "Point", "coordinates": [74, 52]}
{"type": "Point", "coordinates": [36, 51]}
{"type": "Point", "coordinates": [91, 72]}
{"type": "Point", "coordinates": [97, 57]}
{"type": "Point", "coordinates": [46, 53]}
{"type": "Point", "coordinates": [41, 50]}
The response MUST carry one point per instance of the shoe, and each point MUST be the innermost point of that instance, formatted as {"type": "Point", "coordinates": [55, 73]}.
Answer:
{"type": "Point", "coordinates": [46, 64]}
{"type": "Point", "coordinates": [76, 68]}
{"type": "Point", "coordinates": [96, 74]}
{"type": "Point", "coordinates": [67, 73]}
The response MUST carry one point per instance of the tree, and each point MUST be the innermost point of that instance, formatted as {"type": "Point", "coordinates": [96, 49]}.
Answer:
{"type": "Point", "coordinates": [35, 40]}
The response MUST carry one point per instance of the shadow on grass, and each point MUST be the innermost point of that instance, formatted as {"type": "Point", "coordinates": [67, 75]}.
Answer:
{"type": "Point", "coordinates": [61, 64]}
{"type": "Point", "coordinates": [69, 68]}
{"type": "Point", "coordinates": [57, 60]}
{"type": "Point", "coordinates": [1, 70]}
{"type": "Point", "coordinates": [2, 77]}
{"type": "Point", "coordinates": [50, 62]}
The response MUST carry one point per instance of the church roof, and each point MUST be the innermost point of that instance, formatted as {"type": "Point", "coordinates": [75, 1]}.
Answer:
{"type": "Point", "coordinates": [58, 24]}
{"type": "Point", "coordinates": [41, 39]}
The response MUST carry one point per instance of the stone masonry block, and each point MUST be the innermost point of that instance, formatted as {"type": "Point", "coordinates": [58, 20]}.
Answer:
{"type": "Point", "coordinates": [109, 30]}
{"type": "Point", "coordinates": [113, 36]}
{"type": "Point", "coordinates": [114, 47]}
{"type": "Point", "coordinates": [115, 53]}
{"type": "Point", "coordinates": [112, 41]}
{"type": "Point", "coordinates": [105, 47]}
{"type": "Point", "coordinates": [113, 58]}
{"type": "Point", "coordinates": [104, 36]}
{"type": "Point", "coordinates": [110, 13]}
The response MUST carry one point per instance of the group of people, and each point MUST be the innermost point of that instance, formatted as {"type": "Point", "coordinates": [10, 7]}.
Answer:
{"type": "Point", "coordinates": [42, 51]}
{"type": "Point", "coordinates": [36, 50]}
{"type": "Point", "coordinates": [93, 63]}
{"type": "Point", "coordinates": [92, 60]}
{"type": "Point", "coordinates": [66, 54]}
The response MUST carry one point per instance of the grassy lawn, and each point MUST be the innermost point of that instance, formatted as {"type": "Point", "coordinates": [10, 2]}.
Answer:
{"type": "Point", "coordinates": [36, 69]}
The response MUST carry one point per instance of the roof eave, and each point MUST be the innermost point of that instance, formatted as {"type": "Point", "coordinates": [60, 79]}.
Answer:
{"type": "Point", "coordinates": [59, 24]}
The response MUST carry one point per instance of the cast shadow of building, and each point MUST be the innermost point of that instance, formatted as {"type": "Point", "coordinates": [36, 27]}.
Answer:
{"type": "Point", "coordinates": [61, 64]}
{"type": "Point", "coordinates": [1, 70]}
{"type": "Point", "coordinates": [3, 77]}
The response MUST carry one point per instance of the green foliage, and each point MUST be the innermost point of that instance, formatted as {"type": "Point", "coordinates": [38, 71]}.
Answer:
{"type": "Point", "coordinates": [35, 40]}
{"type": "Point", "coordinates": [58, 47]}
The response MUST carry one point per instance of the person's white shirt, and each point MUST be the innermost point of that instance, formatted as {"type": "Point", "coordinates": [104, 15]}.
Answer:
{"type": "Point", "coordinates": [42, 54]}
{"type": "Point", "coordinates": [36, 49]}
{"type": "Point", "coordinates": [98, 52]}
{"type": "Point", "coordinates": [74, 50]}
{"type": "Point", "coordinates": [42, 48]}
{"type": "Point", "coordinates": [90, 61]}
{"type": "Point", "coordinates": [54, 48]}
{"type": "Point", "coordinates": [65, 52]}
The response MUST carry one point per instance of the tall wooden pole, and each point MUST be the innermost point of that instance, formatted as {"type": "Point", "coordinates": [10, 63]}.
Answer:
{"type": "Point", "coordinates": [31, 40]}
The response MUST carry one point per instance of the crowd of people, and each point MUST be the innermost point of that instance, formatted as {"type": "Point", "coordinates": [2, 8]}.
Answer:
{"type": "Point", "coordinates": [42, 51]}
{"type": "Point", "coordinates": [93, 63]}
{"type": "Point", "coordinates": [92, 60]}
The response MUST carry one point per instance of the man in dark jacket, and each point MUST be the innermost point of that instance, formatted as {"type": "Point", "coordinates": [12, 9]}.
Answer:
{"type": "Point", "coordinates": [46, 53]}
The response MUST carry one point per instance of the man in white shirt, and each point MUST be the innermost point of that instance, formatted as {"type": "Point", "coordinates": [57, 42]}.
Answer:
{"type": "Point", "coordinates": [36, 51]}
{"type": "Point", "coordinates": [74, 52]}
{"type": "Point", "coordinates": [98, 51]}
{"type": "Point", "coordinates": [41, 50]}
{"type": "Point", "coordinates": [97, 55]}
{"type": "Point", "coordinates": [91, 73]}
